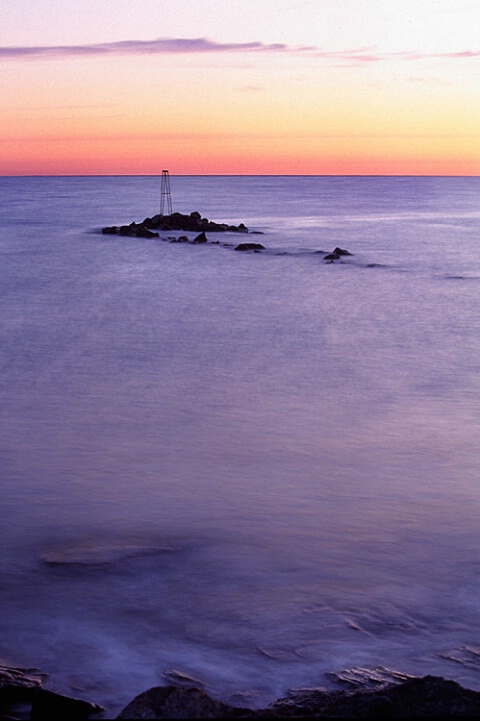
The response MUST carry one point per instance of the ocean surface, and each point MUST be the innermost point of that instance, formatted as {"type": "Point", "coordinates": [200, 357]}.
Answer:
{"type": "Point", "coordinates": [251, 469]}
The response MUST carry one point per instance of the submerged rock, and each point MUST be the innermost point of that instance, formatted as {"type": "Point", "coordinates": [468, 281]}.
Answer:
{"type": "Point", "coordinates": [180, 678]}
{"type": "Point", "coordinates": [250, 246]}
{"type": "Point", "coordinates": [194, 222]}
{"type": "Point", "coordinates": [336, 254]}
{"type": "Point", "coordinates": [361, 677]}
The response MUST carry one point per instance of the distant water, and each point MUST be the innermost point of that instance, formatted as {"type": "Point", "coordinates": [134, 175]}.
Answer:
{"type": "Point", "coordinates": [252, 469]}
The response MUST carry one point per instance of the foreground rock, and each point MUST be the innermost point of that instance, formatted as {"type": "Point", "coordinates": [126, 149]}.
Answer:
{"type": "Point", "coordinates": [49, 705]}
{"type": "Point", "coordinates": [19, 684]}
{"type": "Point", "coordinates": [431, 696]}
{"type": "Point", "coordinates": [377, 693]}
{"type": "Point", "coordinates": [176, 221]}
{"type": "Point", "coordinates": [416, 698]}
{"type": "Point", "coordinates": [22, 696]}
{"type": "Point", "coordinates": [172, 702]}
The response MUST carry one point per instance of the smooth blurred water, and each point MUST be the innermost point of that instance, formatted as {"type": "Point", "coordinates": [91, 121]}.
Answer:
{"type": "Point", "coordinates": [250, 468]}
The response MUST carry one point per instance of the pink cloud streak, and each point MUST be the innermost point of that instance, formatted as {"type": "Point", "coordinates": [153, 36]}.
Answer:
{"type": "Point", "coordinates": [204, 46]}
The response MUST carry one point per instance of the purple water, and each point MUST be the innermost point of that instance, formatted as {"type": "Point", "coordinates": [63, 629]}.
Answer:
{"type": "Point", "coordinates": [253, 469]}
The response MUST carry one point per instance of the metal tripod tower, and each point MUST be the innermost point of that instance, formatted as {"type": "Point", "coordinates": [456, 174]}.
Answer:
{"type": "Point", "coordinates": [165, 197]}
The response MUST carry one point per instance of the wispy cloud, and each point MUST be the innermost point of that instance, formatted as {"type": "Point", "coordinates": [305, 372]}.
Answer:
{"type": "Point", "coordinates": [168, 46]}
{"type": "Point", "coordinates": [148, 47]}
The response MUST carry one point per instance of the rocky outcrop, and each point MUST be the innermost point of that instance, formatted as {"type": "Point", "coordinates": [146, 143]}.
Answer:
{"type": "Point", "coordinates": [416, 698]}
{"type": "Point", "coordinates": [151, 228]}
{"type": "Point", "coordinates": [377, 693]}
{"type": "Point", "coordinates": [430, 696]}
{"type": "Point", "coordinates": [175, 221]}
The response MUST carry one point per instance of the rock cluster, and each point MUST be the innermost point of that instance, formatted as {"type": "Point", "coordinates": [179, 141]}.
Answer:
{"type": "Point", "coordinates": [176, 221]}
{"type": "Point", "coordinates": [151, 228]}
{"type": "Point", "coordinates": [22, 696]}
{"type": "Point", "coordinates": [415, 698]}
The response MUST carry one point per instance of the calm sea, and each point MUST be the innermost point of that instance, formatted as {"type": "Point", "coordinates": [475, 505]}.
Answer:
{"type": "Point", "coordinates": [252, 469]}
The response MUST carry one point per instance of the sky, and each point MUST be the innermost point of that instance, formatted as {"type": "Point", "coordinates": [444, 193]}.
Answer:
{"type": "Point", "coordinates": [294, 87]}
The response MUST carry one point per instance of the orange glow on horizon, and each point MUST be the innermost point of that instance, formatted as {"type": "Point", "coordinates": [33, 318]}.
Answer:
{"type": "Point", "coordinates": [244, 156]}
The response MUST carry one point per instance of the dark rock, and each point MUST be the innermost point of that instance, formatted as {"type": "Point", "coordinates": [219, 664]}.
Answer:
{"type": "Point", "coordinates": [21, 692]}
{"type": "Point", "coordinates": [175, 221]}
{"type": "Point", "coordinates": [48, 706]}
{"type": "Point", "coordinates": [143, 232]}
{"type": "Point", "coordinates": [211, 227]}
{"type": "Point", "coordinates": [202, 238]}
{"type": "Point", "coordinates": [13, 677]}
{"type": "Point", "coordinates": [153, 222]}
{"type": "Point", "coordinates": [134, 230]}
{"type": "Point", "coordinates": [192, 221]}
{"type": "Point", "coordinates": [336, 254]}
{"type": "Point", "coordinates": [19, 684]}
{"type": "Point", "coordinates": [250, 246]}
{"type": "Point", "coordinates": [171, 702]}
{"type": "Point", "coordinates": [414, 698]}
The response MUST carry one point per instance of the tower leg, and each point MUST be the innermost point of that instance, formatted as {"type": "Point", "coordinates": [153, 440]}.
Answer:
{"type": "Point", "coordinates": [165, 195]}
